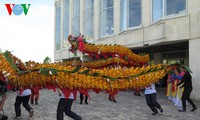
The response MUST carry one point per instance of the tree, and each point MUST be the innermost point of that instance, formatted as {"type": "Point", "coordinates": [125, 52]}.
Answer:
{"type": "Point", "coordinates": [47, 60]}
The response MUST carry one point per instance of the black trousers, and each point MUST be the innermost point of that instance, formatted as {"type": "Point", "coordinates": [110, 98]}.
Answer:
{"type": "Point", "coordinates": [3, 117]}
{"type": "Point", "coordinates": [22, 100]}
{"type": "Point", "coordinates": [64, 105]}
{"type": "Point", "coordinates": [152, 102]}
{"type": "Point", "coordinates": [82, 97]}
{"type": "Point", "coordinates": [186, 96]}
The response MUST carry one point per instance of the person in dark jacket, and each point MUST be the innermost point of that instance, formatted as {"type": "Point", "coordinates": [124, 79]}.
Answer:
{"type": "Point", "coordinates": [187, 84]}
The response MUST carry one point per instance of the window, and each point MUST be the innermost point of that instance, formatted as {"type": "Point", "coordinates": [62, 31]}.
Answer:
{"type": "Point", "coordinates": [106, 17]}
{"type": "Point", "coordinates": [157, 8]}
{"type": "Point", "coordinates": [175, 7]}
{"type": "Point", "coordinates": [58, 26]}
{"type": "Point", "coordinates": [66, 23]}
{"type": "Point", "coordinates": [134, 13]}
{"type": "Point", "coordinates": [89, 19]}
{"type": "Point", "coordinates": [130, 14]}
{"type": "Point", "coordinates": [164, 8]}
{"type": "Point", "coordinates": [76, 17]}
{"type": "Point", "coordinates": [123, 12]}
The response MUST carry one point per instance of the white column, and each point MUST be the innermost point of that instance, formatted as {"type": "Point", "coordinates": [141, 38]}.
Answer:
{"type": "Point", "coordinates": [116, 17]}
{"type": "Point", "coordinates": [61, 27]}
{"type": "Point", "coordinates": [70, 15]}
{"type": "Point", "coordinates": [82, 16]}
{"type": "Point", "coordinates": [194, 57]}
{"type": "Point", "coordinates": [96, 20]}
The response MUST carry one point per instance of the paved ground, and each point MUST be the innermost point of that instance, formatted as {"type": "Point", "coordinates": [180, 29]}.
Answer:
{"type": "Point", "coordinates": [127, 107]}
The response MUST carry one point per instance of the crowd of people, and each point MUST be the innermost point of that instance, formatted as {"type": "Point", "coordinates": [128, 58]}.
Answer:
{"type": "Point", "coordinates": [173, 91]}
{"type": "Point", "coordinates": [179, 87]}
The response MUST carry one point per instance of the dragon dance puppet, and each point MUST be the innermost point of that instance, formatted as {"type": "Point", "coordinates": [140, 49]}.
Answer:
{"type": "Point", "coordinates": [110, 68]}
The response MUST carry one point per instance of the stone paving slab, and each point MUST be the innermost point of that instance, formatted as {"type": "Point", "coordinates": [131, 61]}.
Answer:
{"type": "Point", "coordinates": [127, 107]}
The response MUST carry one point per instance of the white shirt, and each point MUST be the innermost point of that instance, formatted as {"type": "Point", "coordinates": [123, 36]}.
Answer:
{"type": "Point", "coordinates": [25, 92]}
{"type": "Point", "coordinates": [149, 90]}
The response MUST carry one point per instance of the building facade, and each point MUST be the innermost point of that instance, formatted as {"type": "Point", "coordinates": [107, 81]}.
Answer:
{"type": "Point", "coordinates": [168, 30]}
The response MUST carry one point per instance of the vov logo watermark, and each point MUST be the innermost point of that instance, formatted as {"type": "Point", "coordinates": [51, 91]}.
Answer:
{"type": "Point", "coordinates": [17, 9]}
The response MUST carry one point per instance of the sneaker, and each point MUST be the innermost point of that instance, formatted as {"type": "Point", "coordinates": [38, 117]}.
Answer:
{"type": "Point", "coordinates": [182, 110]}
{"type": "Point", "coordinates": [31, 113]}
{"type": "Point", "coordinates": [154, 113]}
{"type": "Point", "coordinates": [17, 118]}
{"type": "Point", "coordinates": [193, 109]}
{"type": "Point", "coordinates": [36, 103]}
